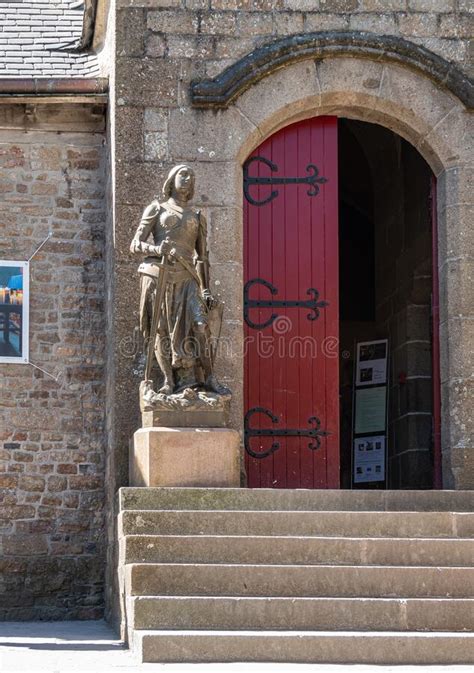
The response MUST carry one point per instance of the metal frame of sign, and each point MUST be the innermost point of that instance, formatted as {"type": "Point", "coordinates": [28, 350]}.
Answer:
{"type": "Point", "coordinates": [23, 357]}
{"type": "Point", "coordinates": [372, 428]}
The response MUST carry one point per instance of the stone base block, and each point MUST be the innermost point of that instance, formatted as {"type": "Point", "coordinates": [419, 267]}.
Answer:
{"type": "Point", "coordinates": [185, 457]}
{"type": "Point", "coordinates": [196, 418]}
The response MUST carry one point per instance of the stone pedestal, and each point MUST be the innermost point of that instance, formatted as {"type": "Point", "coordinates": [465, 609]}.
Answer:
{"type": "Point", "coordinates": [185, 457]}
{"type": "Point", "coordinates": [188, 409]}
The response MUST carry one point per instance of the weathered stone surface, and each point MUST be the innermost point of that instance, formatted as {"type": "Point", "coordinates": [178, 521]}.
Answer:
{"type": "Point", "coordinates": [381, 5]}
{"type": "Point", "coordinates": [52, 421]}
{"type": "Point", "coordinates": [316, 21]}
{"type": "Point", "coordinates": [457, 289]}
{"type": "Point", "coordinates": [154, 82]}
{"type": "Point", "coordinates": [155, 46]}
{"type": "Point", "coordinates": [300, 5]}
{"type": "Point", "coordinates": [185, 457]}
{"type": "Point", "coordinates": [137, 182]}
{"type": "Point", "coordinates": [225, 235]}
{"type": "Point", "coordinates": [131, 25]}
{"type": "Point", "coordinates": [457, 356]}
{"type": "Point", "coordinates": [249, 5]}
{"type": "Point", "coordinates": [190, 47]}
{"type": "Point", "coordinates": [255, 23]}
{"type": "Point", "coordinates": [288, 23]}
{"type": "Point", "coordinates": [275, 613]}
{"type": "Point", "coordinates": [338, 5]}
{"type": "Point", "coordinates": [318, 500]}
{"type": "Point", "coordinates": [366, 524]}
{"type": "Point", "coordinates": [130, 134]}
{"type": "Point", "coordinates": [278, 96]}
{"type": "Point", "coordinates": [462, 466]}
{"type": "Point", "coordinates": [207, 136]}
{"type": "Point", "coordinates": [172, 21]}
{"type": "Point", "coordinates": [456, 431]}
{"type": "Point", "coordinates": [455, 233]}
{"type": "Point", "coordinates": [384, 24]}
{"type": "Point", "coordinates": [152, 4]}
{"type": "Point", "coordinates": [455, 25]}
{"type": "Point", "coordinates": [218, 23]}
{"type": "Point", "coordinates": [454, 185]}
{"type": "Point", "coordinates": [419, 25]}
{"type": "Point", "coordinates": [431, 5]}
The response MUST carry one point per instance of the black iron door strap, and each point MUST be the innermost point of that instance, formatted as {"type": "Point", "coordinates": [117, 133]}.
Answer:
{"type": "Point", "coordinates": [313, 180]}
{"type": "Point", "coordinates": [314, 432]}
{"type": "Point", "coordinates": [312, 304]}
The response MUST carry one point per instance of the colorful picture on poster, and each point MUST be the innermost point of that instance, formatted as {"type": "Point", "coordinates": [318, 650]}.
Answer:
{"type": "Point", "coordinates": [13, 311]}
{"type": "Point", "coordinates": [372, 363]}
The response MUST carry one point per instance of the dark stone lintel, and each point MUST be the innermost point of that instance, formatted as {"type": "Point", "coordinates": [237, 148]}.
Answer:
{"type": "Point", "coordinates": [223, 89]}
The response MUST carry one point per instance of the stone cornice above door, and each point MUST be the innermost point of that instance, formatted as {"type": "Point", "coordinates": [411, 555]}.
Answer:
{"type": "Point", "coordinates": [222, 90]}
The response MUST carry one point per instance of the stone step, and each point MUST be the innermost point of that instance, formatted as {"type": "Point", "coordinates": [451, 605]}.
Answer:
{"type": "Point", "coordinates": [236, 613]}
{"type": "Point", "coordinates": [300, 523]}
{"type": "Point", "coordinates": [305, 647]}
{"type": "Point", "coordinates": [299, 499]}
{"type": "Point", "coordinates": [296, 550]}
{"type": "Point", "coordinates": [298, 580]}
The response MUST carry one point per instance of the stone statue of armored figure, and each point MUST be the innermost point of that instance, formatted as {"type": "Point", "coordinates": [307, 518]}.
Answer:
{"type": "Point", "coordinates": [177, 308]}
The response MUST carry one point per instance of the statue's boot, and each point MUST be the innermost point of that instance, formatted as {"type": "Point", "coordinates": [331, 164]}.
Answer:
{"type": "Point", "coordinates": [164, 363]}
{"type": "Point", "coordinates": [213, 385]}
{"type": "Point", "coordinates": [210, 380]}
{"type": "Point", "coordinates": [167, 388]}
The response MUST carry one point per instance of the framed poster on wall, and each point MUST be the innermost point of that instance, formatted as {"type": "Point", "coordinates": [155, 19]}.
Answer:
{"type": "Point", "coordinates": [14, 311]}
{"type": "Point", "coordinates": [370, 404]}
{"type": "Point", "coordinates": [369, 459]}
{"type": "Point", "coordinates": [370, 410]}
{"type": "Point", "coordinates": [371, 368]}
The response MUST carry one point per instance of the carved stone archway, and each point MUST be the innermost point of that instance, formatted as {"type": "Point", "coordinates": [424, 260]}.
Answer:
{"type": "Point", "coordinates": [377, 87]}
{"type": "Point", "coordinates": [221, 90]}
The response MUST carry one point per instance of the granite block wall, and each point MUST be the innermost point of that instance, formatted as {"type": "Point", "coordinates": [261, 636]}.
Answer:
{"type": "Point", "coordinates": [52, 411]}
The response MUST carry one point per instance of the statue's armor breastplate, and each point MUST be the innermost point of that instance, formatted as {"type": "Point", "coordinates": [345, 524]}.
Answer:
{"type": "Point", "coordinates": [180, 228]}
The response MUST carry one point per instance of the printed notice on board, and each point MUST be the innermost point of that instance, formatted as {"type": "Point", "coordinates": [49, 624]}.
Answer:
{"type": "Point", "coordinates": [369, 459]}
{"type": "Point", "coordinates": [370, 410]}
{"type": "Point", "coordinates": [372, 363]}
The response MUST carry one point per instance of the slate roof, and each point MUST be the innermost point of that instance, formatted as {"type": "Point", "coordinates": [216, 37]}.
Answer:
{"type": "Point", "coordinates": [37, 39]}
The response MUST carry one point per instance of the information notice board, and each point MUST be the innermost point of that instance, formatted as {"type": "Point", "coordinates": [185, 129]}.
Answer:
{"type": "Point", "coordinates": [370, 412]}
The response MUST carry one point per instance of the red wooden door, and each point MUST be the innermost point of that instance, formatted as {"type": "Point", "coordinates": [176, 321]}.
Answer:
{"type": "Point", "coordinates": [291, 308]}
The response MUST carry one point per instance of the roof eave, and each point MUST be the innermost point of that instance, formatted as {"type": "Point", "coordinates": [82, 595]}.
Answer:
{"type": "Point", "coordinates": [50, 89]}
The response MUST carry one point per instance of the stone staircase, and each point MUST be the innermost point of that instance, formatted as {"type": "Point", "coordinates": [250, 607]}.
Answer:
{"type": "Point", "coordinates": [217, 575]}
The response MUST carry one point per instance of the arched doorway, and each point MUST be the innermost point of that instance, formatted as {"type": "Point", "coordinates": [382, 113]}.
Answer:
{"type": "Point", "coordinates": [338, 265]}
{"type": "Point", "coordinates": [407, 100]}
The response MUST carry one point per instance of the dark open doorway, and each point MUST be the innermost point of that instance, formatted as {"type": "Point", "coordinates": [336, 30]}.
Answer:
{"type": "Point", "coordinates": [386, 281]}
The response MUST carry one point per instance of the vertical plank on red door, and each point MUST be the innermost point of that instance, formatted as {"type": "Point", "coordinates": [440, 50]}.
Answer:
{"type": "Point", "coordinates": [318, 280]}
{"type": "Point", "coordinates": [265, 363]}
{"type": "Point", "coordinates": [279, 275]}
{"type": "Point", "coordinates": [290, 160]}
{"type": "Point", "coordinates": [287, 242]}
{"type": "Point", "coordinates": [252, 390]}
{"type": "Point", "coordinates": [306, 327]}
{"type": "Point", "coordinates": [331, 271]}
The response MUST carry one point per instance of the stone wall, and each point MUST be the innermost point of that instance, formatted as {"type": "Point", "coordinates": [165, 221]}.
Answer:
{"type": "Point", "coordinates": [403, 282]}
{"type": "Point", "coordinates": [52, 410]}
